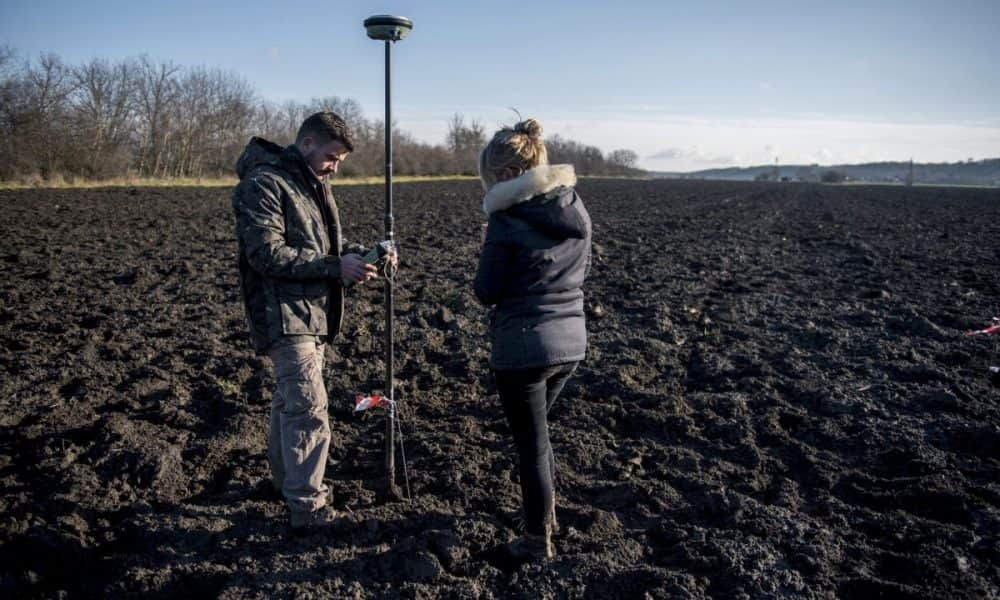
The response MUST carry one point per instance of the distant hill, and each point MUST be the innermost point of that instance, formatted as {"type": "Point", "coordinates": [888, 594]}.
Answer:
{"type": "Point", "coordinates": [980, 172]}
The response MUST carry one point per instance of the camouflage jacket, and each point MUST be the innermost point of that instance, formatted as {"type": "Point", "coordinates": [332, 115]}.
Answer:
{"type": "Point", "coordinates": [289, 238]}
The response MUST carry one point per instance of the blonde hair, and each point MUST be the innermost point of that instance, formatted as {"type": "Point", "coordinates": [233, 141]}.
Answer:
{"type": "Point", "coordinates": [519, 147]}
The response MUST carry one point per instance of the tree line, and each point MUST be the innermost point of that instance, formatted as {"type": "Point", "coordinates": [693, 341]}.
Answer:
{"type": "Point", "coordinates": [141, 117]}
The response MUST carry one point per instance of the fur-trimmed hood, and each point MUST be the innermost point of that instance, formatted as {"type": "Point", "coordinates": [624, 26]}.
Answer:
{"type": "Point", "coordinates": [533, 182]}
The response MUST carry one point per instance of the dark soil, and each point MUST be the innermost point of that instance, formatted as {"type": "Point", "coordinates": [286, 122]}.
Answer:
{"type": "Point", "coordinates": [778, 402]}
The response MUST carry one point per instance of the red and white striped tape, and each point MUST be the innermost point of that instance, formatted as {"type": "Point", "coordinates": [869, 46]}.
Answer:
{"type": "Point", "coordinates": [991, 329]}
{"type": "Point", "coordinates": [362, 403]}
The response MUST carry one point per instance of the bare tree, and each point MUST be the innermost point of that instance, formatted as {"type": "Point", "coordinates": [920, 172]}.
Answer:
{"type": "Point", "coordinates": [589, 160]}
{"type": "Point", "coordinates": [216, 112]}
{"type": "Point", "coordinates": [11, 95]}
{"type": "Point", "coordinates": [624, 159]}
{"type": "Point", "coordinates": [103, 106]}
{"type": "Point", "coordinates": [41, 111]}
{"type": "Point", "coordinates": [233, 102]}
{"type": "Point", "coordinates": [347, 108]}
{"type": "Point", "coordinates": [156, 92]}
{"type": "Point", "coordinates": [465, 143]}
{"type": "Point", "coordinates": [268, 123]}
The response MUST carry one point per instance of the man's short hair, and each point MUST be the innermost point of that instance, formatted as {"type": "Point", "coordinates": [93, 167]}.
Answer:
{"type": "Point", "coordinates": [326, 127]}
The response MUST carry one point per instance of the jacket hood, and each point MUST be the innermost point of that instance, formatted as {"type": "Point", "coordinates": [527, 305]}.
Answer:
{"type": "Point", "coordinates": [258, 152]}
{"type": "Point", "coordinates": [540, 180]}
{"type": "Point", "coordinates": [558, 214]}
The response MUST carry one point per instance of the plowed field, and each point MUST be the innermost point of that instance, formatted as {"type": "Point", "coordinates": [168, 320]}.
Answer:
{"type": "Point", "coordinates": [778, 402]}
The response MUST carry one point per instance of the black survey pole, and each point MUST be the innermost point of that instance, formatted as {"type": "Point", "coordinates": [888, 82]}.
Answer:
{"type": "Point", "coordinates": [389, 29]}
{"type": "Point", "coordinates": [390, 384]}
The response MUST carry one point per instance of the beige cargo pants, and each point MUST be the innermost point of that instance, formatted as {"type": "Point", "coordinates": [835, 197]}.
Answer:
{"type": "Point", "coordinates": [299, 438]}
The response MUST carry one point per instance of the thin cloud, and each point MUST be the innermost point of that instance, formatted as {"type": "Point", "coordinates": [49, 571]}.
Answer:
{"type": "Point", "coordinates": [692, 155]}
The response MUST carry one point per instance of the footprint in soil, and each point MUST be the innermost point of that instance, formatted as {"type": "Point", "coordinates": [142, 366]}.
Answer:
{"type": "Point", "coordinates": [72, 388]}
{"type": "Point", "coordinates": [126, 278]}
{"type": "Point", "coordinates": [501, 558]}
{"type": "Point", "coordinates": [92, 321]}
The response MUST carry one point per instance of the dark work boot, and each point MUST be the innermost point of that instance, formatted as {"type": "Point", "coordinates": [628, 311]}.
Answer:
{"type": "Point", "coordinates": [304, 523]}
{"type": "Point", "coordinates": [531, 546]}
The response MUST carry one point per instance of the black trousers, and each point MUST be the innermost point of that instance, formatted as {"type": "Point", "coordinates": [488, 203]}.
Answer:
{"type": "Point", "coordinates": [527, 395]}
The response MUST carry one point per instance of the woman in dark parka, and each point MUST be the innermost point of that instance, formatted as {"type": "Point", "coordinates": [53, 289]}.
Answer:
{"type": "Point", "coordinates": [535, 256]}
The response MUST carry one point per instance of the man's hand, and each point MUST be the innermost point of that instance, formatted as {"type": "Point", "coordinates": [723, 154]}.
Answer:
{"type": "Point", "coordinates": [392, 258]}
{"type": "Point", "coordinates": [353, 268]}
{"type": "Point", "coordinates": [482, 232]}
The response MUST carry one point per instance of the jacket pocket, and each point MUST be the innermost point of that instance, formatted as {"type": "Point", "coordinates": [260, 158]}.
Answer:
{"type": "Point", "coordinates": [509, 347]}
{"type": "Point", "coordinates": [303, 315]}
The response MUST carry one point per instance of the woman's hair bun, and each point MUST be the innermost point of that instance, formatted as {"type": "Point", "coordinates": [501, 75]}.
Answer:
{"type": "Point", "coordinates": [530, 128]}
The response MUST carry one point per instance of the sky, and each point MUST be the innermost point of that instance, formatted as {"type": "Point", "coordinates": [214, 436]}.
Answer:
{"type": "Point", "coordinates": [686, 85]}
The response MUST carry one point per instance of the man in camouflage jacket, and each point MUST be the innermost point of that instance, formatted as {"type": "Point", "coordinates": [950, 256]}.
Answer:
{"type": "Point", "coordinates": [290, 269]}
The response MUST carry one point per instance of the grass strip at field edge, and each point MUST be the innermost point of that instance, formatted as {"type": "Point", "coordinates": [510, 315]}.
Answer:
{"type": "Point", "coordinates": [211, 182]}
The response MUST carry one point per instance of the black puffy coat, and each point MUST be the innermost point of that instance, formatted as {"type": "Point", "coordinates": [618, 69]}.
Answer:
{"type": "Point", "coordinates": [532, 267]}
